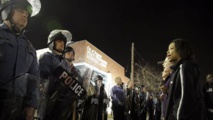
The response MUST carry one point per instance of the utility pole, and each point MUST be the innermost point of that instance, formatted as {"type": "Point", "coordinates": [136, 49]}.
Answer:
{"type": "Point", "coordinates": [132, 64]}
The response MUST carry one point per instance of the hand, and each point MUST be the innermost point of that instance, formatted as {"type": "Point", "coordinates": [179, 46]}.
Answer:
{"type": "Point", "coordinates": [164, 89]}
{"type": "Point", "coordinates": [29, 112]}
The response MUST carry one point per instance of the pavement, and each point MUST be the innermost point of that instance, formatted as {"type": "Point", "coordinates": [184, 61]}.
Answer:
{"type": "Point", "coordinates": [110, 117]}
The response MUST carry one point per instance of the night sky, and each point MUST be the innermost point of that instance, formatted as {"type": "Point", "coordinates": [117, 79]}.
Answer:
{"type": "Point", "coordinates": [112, 25]}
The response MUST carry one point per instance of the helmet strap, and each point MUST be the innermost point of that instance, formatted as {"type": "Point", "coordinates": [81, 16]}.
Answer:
{"type": "Point", "coordinates": [69, 60]}
{"type": "Point", "coordinates": [15, 28]}
{"type": "Point", "coordinates": [56, 49]}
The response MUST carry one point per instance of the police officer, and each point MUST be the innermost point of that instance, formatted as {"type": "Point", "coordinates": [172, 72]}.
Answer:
{"type": "Point", "coordinates": [19, 78]}
{"type": "Point", "coordinates": [91, 103]}
{"type": "Point", "coordinates": [56, 91]}
{"type": "Point", "coordinates": [69, 55]}
{"type": "Point", "coordinates": [95, 106]}
{"type": "Point", "coordinates": [102, 98]}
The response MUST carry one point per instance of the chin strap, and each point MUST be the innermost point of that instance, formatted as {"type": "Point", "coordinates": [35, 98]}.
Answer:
{"type": "Point", "coordinates": [58, 50]}
{"type": "Point", "coordinates": [62, 52]}
{"type": "Point", "coordinates": [15, 29]}
{"type": "Point", "coordinates": [69, 60]}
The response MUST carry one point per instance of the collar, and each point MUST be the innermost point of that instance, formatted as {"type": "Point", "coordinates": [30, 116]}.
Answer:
{"type": "Point", "coordinates": [4, 26]}
{"type": "Point", "coordinates": [175, 67]}
{"type": "Point", "coordinates": [55, 54]}
{"type": "Point", "coordinates": [60, 56]}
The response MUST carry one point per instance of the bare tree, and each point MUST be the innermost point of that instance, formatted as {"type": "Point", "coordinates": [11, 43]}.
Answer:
{"type": "Point", "coordinates": [148, 76]}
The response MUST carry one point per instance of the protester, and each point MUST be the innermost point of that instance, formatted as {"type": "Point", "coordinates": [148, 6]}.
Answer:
{"type": "Point", "coordinates": [165, 84]}
{"type": "Point", "coordinates": [208, 92]}
{"type": "Point", "coordinates": [185, 98]}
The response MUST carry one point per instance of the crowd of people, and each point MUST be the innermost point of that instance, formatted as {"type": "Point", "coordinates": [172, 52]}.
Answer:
{"type": "Point", "coordinates": [134, 103]}
{"type": "Point", "coordinates": [52, 88]}
{"type": "Point", "coordinates": [182, 95]}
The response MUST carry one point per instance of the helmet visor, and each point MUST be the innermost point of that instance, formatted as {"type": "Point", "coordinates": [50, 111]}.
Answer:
{"type": "Point", "coordinates": [36, 6]}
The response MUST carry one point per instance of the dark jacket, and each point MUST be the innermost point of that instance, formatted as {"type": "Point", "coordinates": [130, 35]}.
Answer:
{"type": "Point", "coordinates": [185, 98]}
{"type": "Point", "coordinates": [58, 99]}
{"type": "Point", "coordinates": [208, 92]}
{"type": "Point", "coordinates": [19, 69]}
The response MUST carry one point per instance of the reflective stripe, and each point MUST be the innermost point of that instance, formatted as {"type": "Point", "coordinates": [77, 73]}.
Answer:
{"type": "Point", "coordinates": [182, 92]}
{"type": "Point", "coordinates": [210, 110]}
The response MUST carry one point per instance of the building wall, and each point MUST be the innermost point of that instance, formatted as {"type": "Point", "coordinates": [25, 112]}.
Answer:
{"type": "Point", "coordinates": [86, 52]}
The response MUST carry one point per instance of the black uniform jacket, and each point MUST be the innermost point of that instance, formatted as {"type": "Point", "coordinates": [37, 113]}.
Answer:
{"type": "Point", "coordinates": [185, 99]}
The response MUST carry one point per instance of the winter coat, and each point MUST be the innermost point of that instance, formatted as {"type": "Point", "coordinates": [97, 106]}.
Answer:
{"type": "Point", "coordinates": [185, 98]}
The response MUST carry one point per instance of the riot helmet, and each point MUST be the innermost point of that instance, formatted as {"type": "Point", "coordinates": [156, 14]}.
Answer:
{"type": "Point", "coordinates": [68, 46]}
{"type": "Point", "coordinates": [69, 49]}
{"type": "Point", "coordinates": [32, 6]}
{"type": "Point", "coordinates": [7, 6]}
{"type": "Point", "coordinates": [98, 77]}
{"type": "Point", "coordinates": [99, 80]}
{"type": "Point", "coordinates": [58, 34]}
{"type": "Point", "coordinates": [69, 53]}
{"type": "Point", "coordinates": [98, 83]}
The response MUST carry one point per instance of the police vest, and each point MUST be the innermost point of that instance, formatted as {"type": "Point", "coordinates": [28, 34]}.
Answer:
{"type": "Point", "coordinates": [94, 101]}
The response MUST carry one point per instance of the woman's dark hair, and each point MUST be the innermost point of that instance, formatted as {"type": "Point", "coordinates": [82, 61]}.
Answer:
{"type": "Point", "coordinates": [184, 49]}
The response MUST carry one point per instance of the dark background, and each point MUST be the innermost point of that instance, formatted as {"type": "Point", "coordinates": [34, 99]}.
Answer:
{"type": "Point", "coordinates": [112, 26]}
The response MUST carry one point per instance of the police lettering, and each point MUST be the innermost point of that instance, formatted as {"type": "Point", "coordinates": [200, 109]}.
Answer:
{"type": "Point", "coordinates": [94, 101]}
{"type": "Point", "coordinates": [106, 101]}
{"type": "Point", "coordinates": [73, 84]}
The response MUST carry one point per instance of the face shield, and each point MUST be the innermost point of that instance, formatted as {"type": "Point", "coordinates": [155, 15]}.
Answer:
{"type": "Point", "coordinates": [36, 7]}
